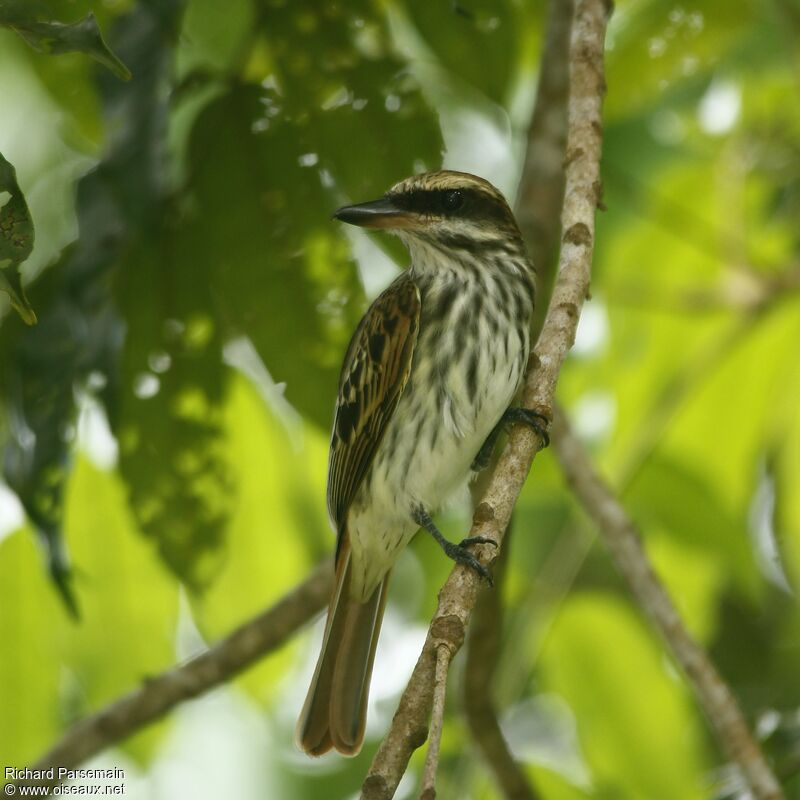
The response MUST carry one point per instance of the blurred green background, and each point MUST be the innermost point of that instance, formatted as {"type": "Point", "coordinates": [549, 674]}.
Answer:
{"type": "Point", "coordinates": [164, 426]}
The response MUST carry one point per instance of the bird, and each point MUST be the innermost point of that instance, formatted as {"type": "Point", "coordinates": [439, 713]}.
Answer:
{"type": "Point", "coordinates": [426, 388]}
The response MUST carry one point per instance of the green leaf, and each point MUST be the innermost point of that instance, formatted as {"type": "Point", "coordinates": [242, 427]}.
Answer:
{"type": "Point", "coordinates": [16, 240]}
{"type": "Point", "coordinates": [280, 510]}
{"type": "Point", "coordinates": [214, 35]}
{"type": "Point", "coordinates": [638, 731]}
{"type": "Point", "coordinates": [700, 522]}
{"type": "Point", "coordinates": [283, 151]}
{"type": "Point", "coordinates": [666, 47]}
{"type": "Point", "coordinates": [169, 420]}
{"type": "Point", "coordinates": [553, 786]}
{"type": "Point", "coordinates": [787, 467]}
{"type": "Point", "coordinates": [125, 634]}
{"type": "Point", "coordinates": [54, 670]}
{"type": "Point", "coordinates": [498, 30]}
{"type": "Point", "coordinates": [80, 331]}
{"type": "Point", "coordinates": [281, 278]}
{"type": "Point", "coordinates": [78, 37]}
{"type": "Point", "coordinates": [29, 668]}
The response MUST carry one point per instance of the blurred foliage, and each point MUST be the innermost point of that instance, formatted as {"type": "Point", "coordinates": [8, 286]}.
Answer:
{"type": "Point", "coordinates": [165, 424]}
{"type": "Point", "coordinates": [16, 240]}
{"type": "Point", "coordinates": [53, 37]}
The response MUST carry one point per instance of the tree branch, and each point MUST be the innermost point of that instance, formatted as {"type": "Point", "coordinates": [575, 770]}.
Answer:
{"type": "Point", "coordinates": [160, 694]}
{"type": "Point", "coordinates": [539, 201]}
{"type": "Point", "coordinates": [484, 638]}
{"type": "Point", "coordinates": [457, 597]}
{"type": "Point", "coordinates": [624, 541]}
{"type": "Point", "coordinates": [541, 188]}
{"type": "Point", "coordinates": [443, 657]}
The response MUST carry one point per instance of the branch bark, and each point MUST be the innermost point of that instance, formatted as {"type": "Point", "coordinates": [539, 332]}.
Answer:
{"type": "Point", "coordinates": [539, 200]}
{"type": "Point", "coordinates": [484, 639]}
{"type": "Point", "coordinates": [217, 665]}
{"type": "Point", "coordinates": [457, 597]}
{"type": "Point", "coordinates": [443, 657]}
{"type": "Point", "coordinates": [541, 188]}
{"type": "Point", "coordinates": [624, 541]}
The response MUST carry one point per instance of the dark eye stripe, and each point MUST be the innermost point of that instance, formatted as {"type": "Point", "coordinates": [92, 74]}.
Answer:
{"type": "Point", "coordinates": [475, 204]}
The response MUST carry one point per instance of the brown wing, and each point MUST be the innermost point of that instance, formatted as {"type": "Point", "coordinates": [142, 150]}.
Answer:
{"type": "Point", "coordinates": [374, 373]}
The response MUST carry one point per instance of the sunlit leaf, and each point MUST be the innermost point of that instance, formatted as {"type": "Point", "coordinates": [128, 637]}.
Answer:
{"type": "Point", "coordinates": [125, 634]}
{"type": "Point", "coordinates": [206, 226]}
{"type": "Point", "coordinates": [280, 511]}
{"type": "Point", "coordinates": [29, 668]}
{"type": "Point", "coordinates": [169, 420]}
{"type": "Point", "coordinates": [699, 522]}
{"type": "Point", "coordinates": [630, 686]}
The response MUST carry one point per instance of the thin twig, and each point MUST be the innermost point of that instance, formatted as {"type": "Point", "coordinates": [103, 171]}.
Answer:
{"type": "Point", "coordinates": [484, 639]}
{"type": "Point", "coordinates": [437, 723]}
{"type": "Point", "coordinates": [160, 694]}
{"type": "Point", "coordinates": [624, 541]}
{"type": "Point", "coordinates": [457, 597]}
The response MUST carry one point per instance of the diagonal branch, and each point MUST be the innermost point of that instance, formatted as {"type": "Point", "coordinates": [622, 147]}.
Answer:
{"type": "Point", "coordinates": [217, 665]}
{"type": "Point", "coordinates": [539, 200]}
{"type": "Point", "coordinates": [484, 639]}
{"type": "Point", "coordinates": [457, 598]}
{"type": "Point", "coordinates": [624, 541]}
{"type": "Point", "coordinates": [443, 657]}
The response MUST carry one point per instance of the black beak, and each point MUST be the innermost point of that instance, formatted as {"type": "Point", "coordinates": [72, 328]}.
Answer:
{"type": "Point", "coordinates": [381, 213]}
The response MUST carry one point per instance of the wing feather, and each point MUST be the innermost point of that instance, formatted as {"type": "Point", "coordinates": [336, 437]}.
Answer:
{"type": "Point", "coordinates": [374, 374]}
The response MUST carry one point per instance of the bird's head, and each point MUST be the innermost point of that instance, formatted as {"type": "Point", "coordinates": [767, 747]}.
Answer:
{"type": "Point", "coordinates": [445, 209]}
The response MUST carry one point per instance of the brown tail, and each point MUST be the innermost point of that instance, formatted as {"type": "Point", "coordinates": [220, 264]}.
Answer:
{"type": "Point", "coordinates": [335, 710]}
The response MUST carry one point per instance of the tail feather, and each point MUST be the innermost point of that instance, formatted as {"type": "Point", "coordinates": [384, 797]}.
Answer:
{"type": "Point", "coordinates": [335, 711]}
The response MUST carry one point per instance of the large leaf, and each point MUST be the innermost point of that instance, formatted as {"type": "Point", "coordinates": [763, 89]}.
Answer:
{"type": "Point", "coordinates": [263, 164]}
{"type": "Point", "coordinates": [125, 634]}
{"type": "Point", "coordinates": [53, 671]}
{"type": "Point", "coordinates": [701, 521]}
{"type": "Point", "coordinates": [279, 277]}
{"type": "Point", "coordinates": [481, 41]}
{"type": "Point", "coordinates": [80, 332]}
{"type": "Point", "coordinates": [170, 397]}
{"type": "Point", "coordinates": [630, 687]}
{"type": "Point", "coordinates": [279, 514]}
{"type": "Point", "coordinates": [29, 668]}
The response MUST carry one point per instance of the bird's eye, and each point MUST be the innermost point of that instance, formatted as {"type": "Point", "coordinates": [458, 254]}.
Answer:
{"type": "Point", "coordinates": [453, 200]}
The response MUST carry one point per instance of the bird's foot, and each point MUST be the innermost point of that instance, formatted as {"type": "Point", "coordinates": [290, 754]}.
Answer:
{"type": "Point", "coordinates": [457, 552]}
{"type": "Point", "coordinates": [477, 540]}
{"type": "Point", "coordinates": [539, 422]}
{"type": "Point", "coordinates": [461, 555]}
{"type": "Point", "coordinates": [534, 419]}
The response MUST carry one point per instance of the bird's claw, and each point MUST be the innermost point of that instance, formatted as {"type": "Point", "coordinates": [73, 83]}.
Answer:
{"type": "Point", "coordinates": [477, 540]}
{"type": "Point", "coordinates": [460, 554]}
{"type": "Point", "coordinates": [534, 419]}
